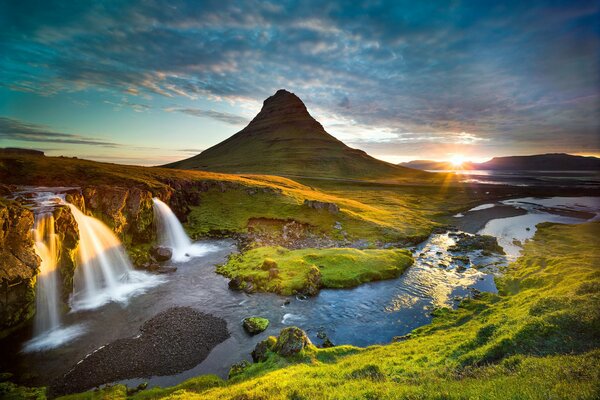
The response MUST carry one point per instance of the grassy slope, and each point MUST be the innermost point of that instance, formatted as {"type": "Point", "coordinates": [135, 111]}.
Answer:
{"type": "Point", "coordinates": [338, 268]}
{"type": "Point", "coordinates": [537, 339]}
{"type": "Point", "coordinates": [368, 211]}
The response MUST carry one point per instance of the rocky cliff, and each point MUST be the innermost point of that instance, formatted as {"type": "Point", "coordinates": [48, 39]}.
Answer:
{"type": "Point", "coordinates": [19, 265]}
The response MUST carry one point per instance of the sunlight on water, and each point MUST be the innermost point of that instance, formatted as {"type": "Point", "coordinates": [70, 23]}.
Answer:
{"type": "Point", "coordinates": [172, 235]}
{"type": "Point", "coordinates": [104, 272]}
{"type": "Point", "coordinates": [47, 316]}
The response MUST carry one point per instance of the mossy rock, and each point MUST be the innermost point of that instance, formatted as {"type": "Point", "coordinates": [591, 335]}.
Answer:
{"type": "Point", "coordinates": [255, 325]}
{"type": "Point", "coordinates": [291, 341]}
{"type": "Point", "coordinates": [268, 264]}
{"type": "Point", "coordinates": [238, 368]}
{"type": "Point", "coordinates": [262, 349]}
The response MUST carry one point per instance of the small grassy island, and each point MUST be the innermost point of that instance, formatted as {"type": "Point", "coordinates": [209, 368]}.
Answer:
{"type": "Point", "coordinates": [283, 271]}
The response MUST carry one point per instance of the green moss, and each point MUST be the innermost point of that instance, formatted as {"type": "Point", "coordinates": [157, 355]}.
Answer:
{"type": "Point", "coordinates": [299, 270]}
{"type": "Point", "coordinates": [11, 391]}
{"type": "Point", "coordinates": [254, 325]}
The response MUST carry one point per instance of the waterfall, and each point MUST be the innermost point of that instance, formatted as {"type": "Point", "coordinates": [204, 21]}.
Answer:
{"type": "Point", "coordinates": [172, 235]}
{"type": "Point", "coordinates": [48, 332]}
{"type": "Point", "coordinates": [104, 272]}
{"type": "Point", "coordinates": [47, 315]}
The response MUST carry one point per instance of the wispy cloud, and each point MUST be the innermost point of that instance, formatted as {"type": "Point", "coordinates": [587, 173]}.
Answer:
{"type": "Point", "coordinates": [13, 129]}
{"type": "Point", "coordinates": [217, 115]}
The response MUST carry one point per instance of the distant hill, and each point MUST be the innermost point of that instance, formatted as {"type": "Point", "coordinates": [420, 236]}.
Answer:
{"type": "Point", "coordinates": [539, 162]}
{"type": "Point", "coordinates": [284, 139]}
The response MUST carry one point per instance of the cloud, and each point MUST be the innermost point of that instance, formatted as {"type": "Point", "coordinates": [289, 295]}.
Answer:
{"type": "Point", "coordinates": [522, 73]}
{"type": "Point", "coordinates": [13, 129]}
{"type": "Point", "coordinates": [218, 115]}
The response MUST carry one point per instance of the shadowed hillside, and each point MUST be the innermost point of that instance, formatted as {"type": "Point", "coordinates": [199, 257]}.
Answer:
{"type": "Point", "coordinates": [284, 139]}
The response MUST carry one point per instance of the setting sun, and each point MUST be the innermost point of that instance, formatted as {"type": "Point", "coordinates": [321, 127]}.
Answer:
{"type": "Point", "coordinates": [457, 160]}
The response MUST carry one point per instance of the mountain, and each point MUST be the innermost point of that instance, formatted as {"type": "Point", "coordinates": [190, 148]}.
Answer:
{"type": "Point", "coordinates": [284, 139]}
{"type": "Point", "coordinates": [539, 162]}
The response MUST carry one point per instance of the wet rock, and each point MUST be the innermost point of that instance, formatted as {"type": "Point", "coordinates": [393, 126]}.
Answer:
{"type": "Point", "coordinates": [238, 368]}
{"type": "Point", "coordinates": [160, 253]}
{"type": "Point", "coordinates": [255, 325]}
{"type": "Point", "coordinates": [466, 243]}
{"type": "Point", "coordinates": [461, 268]}
{"type": "Point", "coordinates": [291, 341]}
{"type": "Point", "coordinates": [262, 349]}
{"type": "Point", "coordinates": [236, 283]}
{"type": "Point", "coordinates": [286, 302]}
{"type": "Point", "coordinates": [322, 205]}
{"type": "Point", "coordinates": [402, 338]}
{"type": "Point", "coordinates": [249, 288]}
{"type": "Point", "coordinates": [327, 343]}
{"type": "Point", "coordinates": [166, 269]}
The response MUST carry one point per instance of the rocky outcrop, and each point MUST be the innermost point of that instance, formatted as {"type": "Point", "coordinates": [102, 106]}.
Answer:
{"type": "Point", "coordinates": [19, 265]}
{"type": "Point", "coordinates": [66, 228]}
{"type": "Point", "coordinates": [291, 341]}
{"type": "Point", "coordinates": [322, 205]}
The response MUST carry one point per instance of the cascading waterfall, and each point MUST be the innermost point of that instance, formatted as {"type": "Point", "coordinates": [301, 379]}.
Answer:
{"type": "Point", "coordinates": [47, 316]}
{"type": "Point", "coordinates": [172, 235]}
{"type": "Point", "coordinates": [104, 272]}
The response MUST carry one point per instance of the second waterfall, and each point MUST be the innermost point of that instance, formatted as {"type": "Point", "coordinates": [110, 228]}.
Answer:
{"type": "Point", "coordinates": [172, 235]}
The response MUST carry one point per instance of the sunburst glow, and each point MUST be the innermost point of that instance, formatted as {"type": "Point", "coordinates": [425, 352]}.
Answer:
{"type": "Point", "coordinates": [457, 160]}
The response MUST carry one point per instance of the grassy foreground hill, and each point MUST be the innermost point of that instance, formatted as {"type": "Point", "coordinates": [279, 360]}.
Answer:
{"type": "Point", "coordinates": [284, 139]}
{"type": "Point", "coordinates": [537, 339]}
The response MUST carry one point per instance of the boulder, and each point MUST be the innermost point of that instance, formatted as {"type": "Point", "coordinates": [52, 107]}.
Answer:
{"type": "Point", "coordinates": [261, 351]}
{"type": "Point", "coordinates": [161, 253]}
{"type": "Point", "coordinates": [313, 282]}
{"type": "Point", "coordinates": [238, 368]}
{"type": "Point", "coordinates": [255, 325]}
{"type": "Point", "coordinates": [236, 283]}
{"type": "Point", "coordinates": [291, 341]}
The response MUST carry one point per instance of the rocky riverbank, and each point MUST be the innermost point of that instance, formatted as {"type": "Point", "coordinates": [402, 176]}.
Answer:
{"type": "Point", "coordinates": [173, 341]}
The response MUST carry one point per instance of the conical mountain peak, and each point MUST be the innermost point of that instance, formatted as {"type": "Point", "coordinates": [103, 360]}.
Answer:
{"type": "Point", "coordinates": [282, 104]}
{"type": "Point", "coordinates": [284, 139]}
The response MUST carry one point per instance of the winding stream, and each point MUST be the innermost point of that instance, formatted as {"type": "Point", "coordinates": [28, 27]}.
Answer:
{"type": "Point", "coordinates": [370, 314]}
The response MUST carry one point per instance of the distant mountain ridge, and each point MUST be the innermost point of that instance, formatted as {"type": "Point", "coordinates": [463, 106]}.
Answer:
{"type": "Point", "coordinates": [538, 162]}
{"type": "Point", "coordinates": [284, 139]}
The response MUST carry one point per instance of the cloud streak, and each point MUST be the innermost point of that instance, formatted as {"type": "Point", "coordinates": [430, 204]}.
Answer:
{"type": "Point", "coordinates": [13, 129]}
{"type": "Point", "coordinates": [217, 115]}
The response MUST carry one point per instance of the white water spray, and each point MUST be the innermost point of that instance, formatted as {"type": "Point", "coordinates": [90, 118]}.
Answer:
{"type": "Point", "coordinates": [172, 235]}
{"type": "Point", "coordinates": [104, 272]}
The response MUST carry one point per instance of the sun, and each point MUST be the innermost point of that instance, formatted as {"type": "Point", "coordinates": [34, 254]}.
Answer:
{"type": "Point", "coordinates": [457, 160]}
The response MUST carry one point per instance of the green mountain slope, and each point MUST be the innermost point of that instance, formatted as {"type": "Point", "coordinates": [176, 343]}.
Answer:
{"type": "Point", "coordinates": [284, 139]}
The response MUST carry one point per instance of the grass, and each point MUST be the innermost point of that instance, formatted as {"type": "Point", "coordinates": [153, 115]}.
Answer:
{"type": "Point", "coordinates": [283, 271]}
{"type": "Point", "coordinates": [537, 339]}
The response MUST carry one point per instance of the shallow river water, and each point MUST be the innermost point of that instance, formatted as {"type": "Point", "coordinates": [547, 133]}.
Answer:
{"type": "Point", "coordinates": [370, 314]}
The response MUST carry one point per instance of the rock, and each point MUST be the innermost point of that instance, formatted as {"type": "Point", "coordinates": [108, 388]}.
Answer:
{"type": "Point", "coordinates": [322, 205]}
{"type": "Point", "coordinates": [291, 341]}
{"type": "Point", "coordinates": [161, 253]}
{"type": "Point", "coordinates": [18, 264]}
{"type": "Point", "coordinates": [466, 243]}
{"type": "Point", "coordinates": [255, 325]}
{"type": "Point", "coordinates": [249, 288]}
{"type": "Point", "coordinates": [402, 338]}
{"type": "Point", "coordinates": [286, 302]}
{"type": "Point", "coordinates": [166, 270]}
{"type": "Point", "coordinates": [273, 273]}
{"type": "Point", "coordinates": [238, 368]}
{"type": "Point", "coordinates": [268, 264]}
{"type": "Point", "coordinates": [313, 282]}
{"type": "Point", "coordinates": [262, 348]}
{"type": "Point", "coordinates": [327, 343]}
{"type": "Point", "coordinates": [235, 283]}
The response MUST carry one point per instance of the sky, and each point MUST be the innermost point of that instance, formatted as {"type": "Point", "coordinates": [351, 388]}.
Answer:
{"type": "Point", "coordinates": [150, 82]}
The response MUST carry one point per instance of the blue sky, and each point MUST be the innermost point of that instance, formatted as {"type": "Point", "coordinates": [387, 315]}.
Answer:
{"type": "Point", "coordinates": [149, 82]}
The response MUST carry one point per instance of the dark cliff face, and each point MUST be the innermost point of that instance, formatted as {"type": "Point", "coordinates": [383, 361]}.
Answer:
{"type": "Point", "coordinates": [19, 264]}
